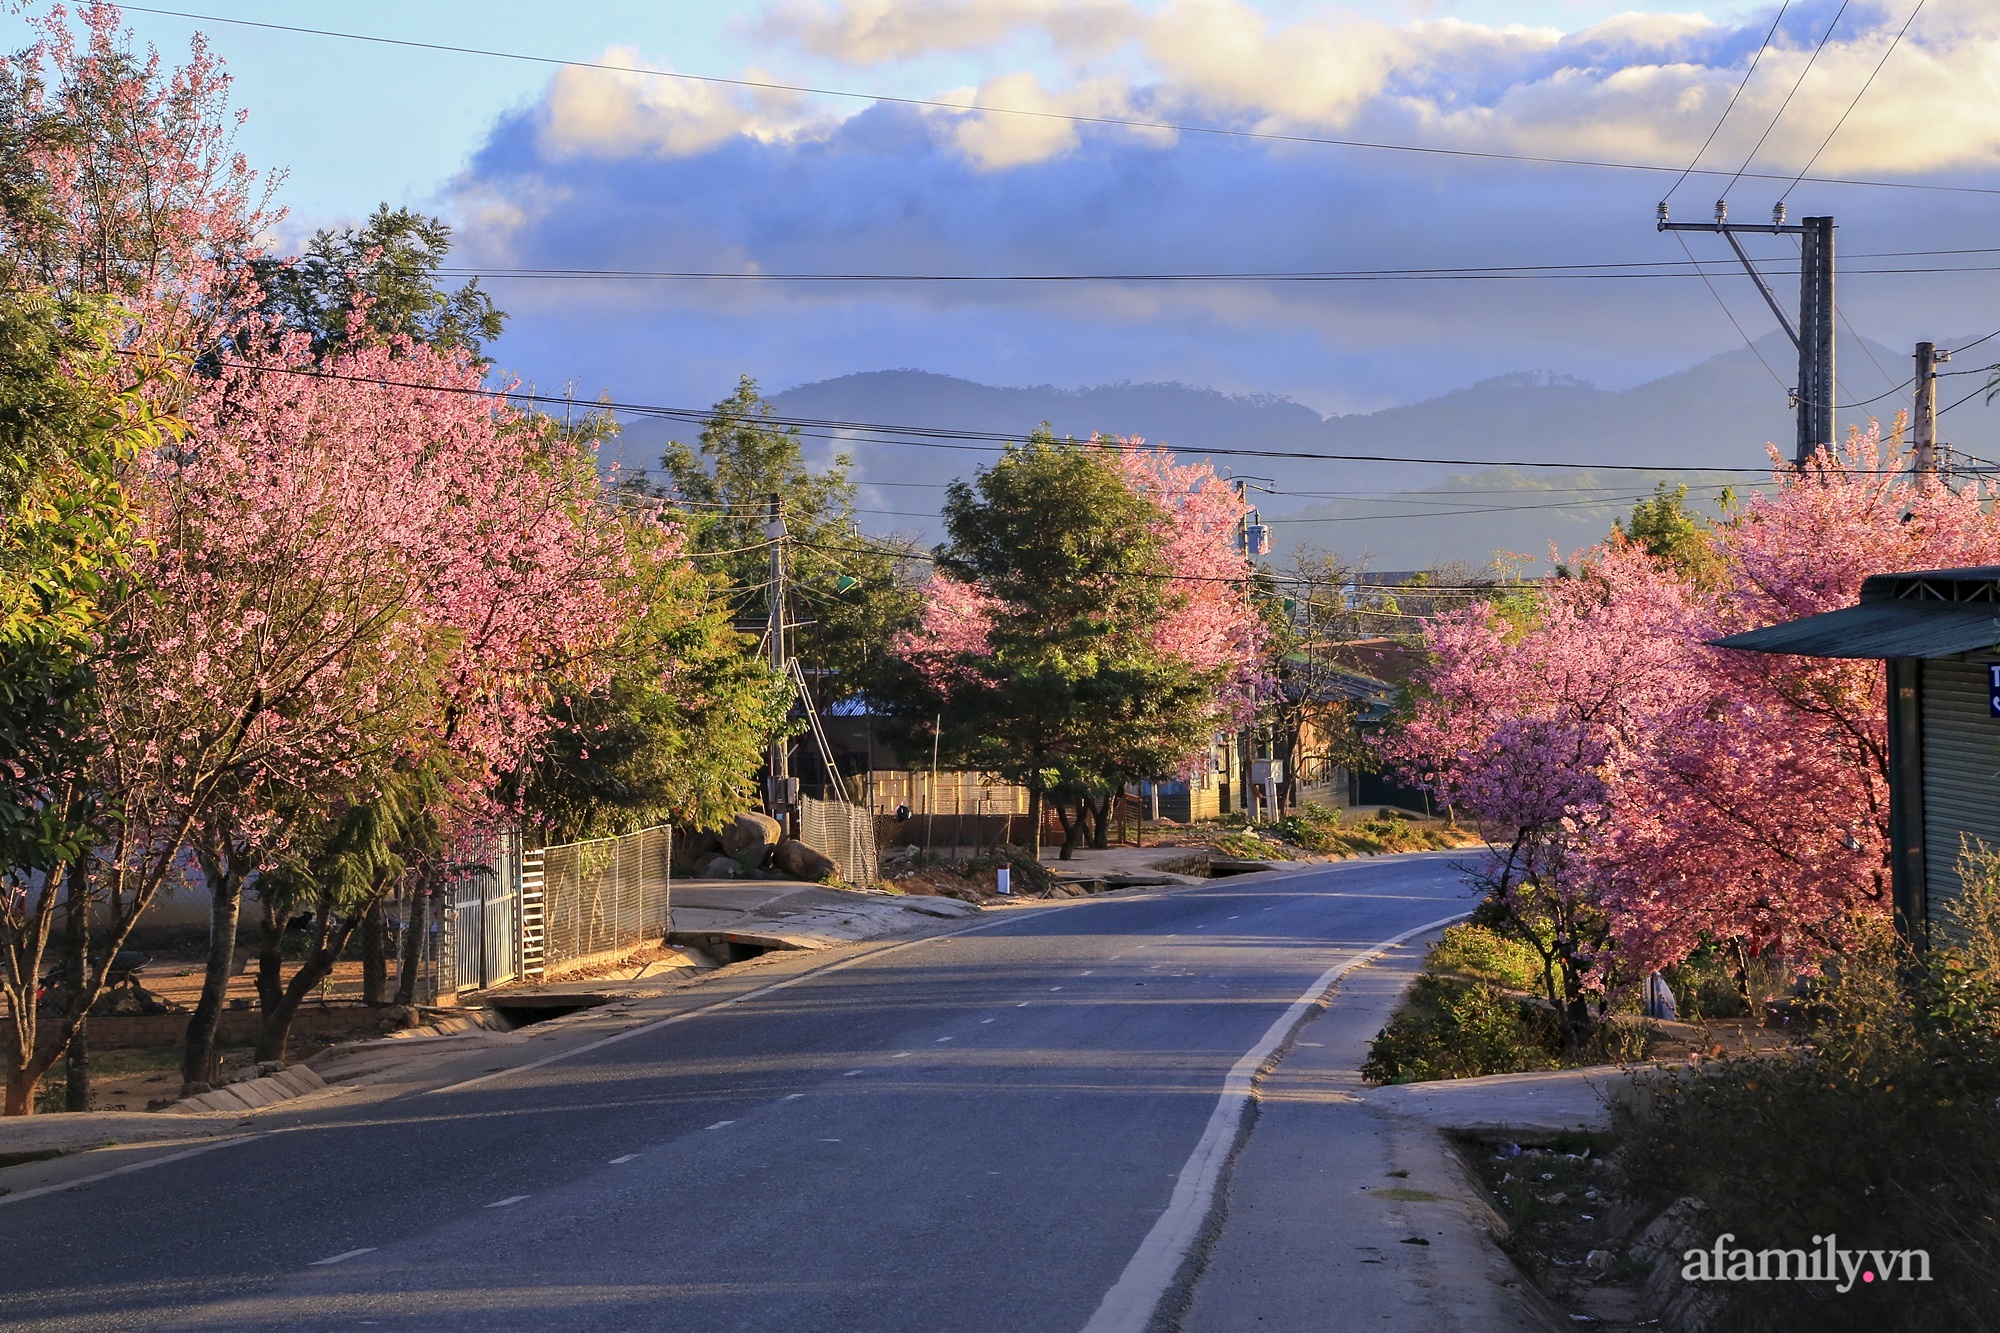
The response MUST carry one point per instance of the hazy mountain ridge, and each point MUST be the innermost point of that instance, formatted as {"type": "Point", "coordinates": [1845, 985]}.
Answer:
{"type": "Point", "coordinates": [1719, 413]}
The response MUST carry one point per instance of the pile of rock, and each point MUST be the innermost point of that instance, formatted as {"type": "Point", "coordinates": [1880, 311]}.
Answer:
{"type": "Point", "coordinates": [752, 846]}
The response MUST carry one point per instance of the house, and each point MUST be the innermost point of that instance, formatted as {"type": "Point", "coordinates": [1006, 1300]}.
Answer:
{"type": "Point", "coordinates": [1938, 631]}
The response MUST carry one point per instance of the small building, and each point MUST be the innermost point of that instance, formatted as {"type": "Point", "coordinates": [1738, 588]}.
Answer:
{"type": "Point", "coordinates": [1938, 630]}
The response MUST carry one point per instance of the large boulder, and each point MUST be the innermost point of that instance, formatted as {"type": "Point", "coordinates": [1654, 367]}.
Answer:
{"type": "Point", "coordinates": [719, 866]}
{"type": "Point", "coordinates": [802, 862]}
{"type": "Point", "coordinates": [694, 849]}
{"type": "Point", "coordinates": [750, 838]}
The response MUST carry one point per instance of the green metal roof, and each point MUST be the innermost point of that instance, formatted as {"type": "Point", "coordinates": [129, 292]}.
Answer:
{"type": "Point", "coordinates": [1924, 613]}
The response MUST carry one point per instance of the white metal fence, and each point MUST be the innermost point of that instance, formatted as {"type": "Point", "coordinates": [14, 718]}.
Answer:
{"type": "Point", "coordinates": [596, 897]}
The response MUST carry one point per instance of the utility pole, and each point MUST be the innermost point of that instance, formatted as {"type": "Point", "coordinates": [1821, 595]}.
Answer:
{"type": "Point", "coordinates": [1812, 397]}
{"type": "Point", "coordinates": [778, 792]}
{"type": "Point", "coordinates": [1924, 427]}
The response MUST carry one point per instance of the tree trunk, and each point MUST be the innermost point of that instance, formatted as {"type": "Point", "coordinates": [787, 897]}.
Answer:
{"type": "Point", "coordinates": [1100, 833]}
{"type": "Point", "coordinates": [1035, 825]}
{"type": "Point", "coordinates": [76, 982]}
{"type": "Point", "coordinates": [1071, 830]}
{"type": "Point", "coordinates": [270, 953]}
{"type": "Point", "coordinates": [21, 1083]}
{"type": "Point", "coordinates": [413, 941]}
{"type": "Point", "coordinates": [225, 907]}
{"type": "Point", "coordinates": [374, 955]}
{"type": "Point", "coordinates": [328, 945]}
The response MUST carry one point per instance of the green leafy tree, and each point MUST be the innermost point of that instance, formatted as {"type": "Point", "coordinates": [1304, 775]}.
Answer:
{"type": "Point", "coordinates": [65, 436]}
{"type": "Point", "coordinates": [676, 733]}
{"type": "Point", "coordinates": [849, 595]}
{"type": "Point", "coordinates": [1058, 687]}
{"type": "Point", "coordinates": [387, 271]}
{"type": "Point", "coordinates": [1668, 530]}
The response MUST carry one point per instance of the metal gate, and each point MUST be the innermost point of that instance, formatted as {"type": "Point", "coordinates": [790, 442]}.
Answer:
{"type": "Point", "coordinates": [483, 936]}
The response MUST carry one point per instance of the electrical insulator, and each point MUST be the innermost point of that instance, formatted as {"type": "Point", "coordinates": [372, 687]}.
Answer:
{"type": "Point", "coordinates": [1778, 214]}
{"type": "Point", "coordinates": [1721, 211]}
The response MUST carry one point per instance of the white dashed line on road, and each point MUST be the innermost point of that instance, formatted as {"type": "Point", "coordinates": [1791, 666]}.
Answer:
{"type": "Point", "coordinates": [721, 1124]}
{"type": "Point", "coordinates": [794, 1097]}
{"type": "Point", "coordinates": [1022, 1005]}
{"type": "Point", "coordinates": [944, 1038]}
{"type": "Point", "coordinates": [901, 1055]}
{"type": "Point", "coordinates": [1055, 988]}
{"type": "Point", "coordinates": [342, 1258]}
{"type": "Point", "coordinates": [620, 1161]}
{"type": "Point", "coordinates": [853, 1072]}
{"type": "Point", "coordinates": [507, 1202]}
{"type": "Point", "coordinates": [986, 1020]}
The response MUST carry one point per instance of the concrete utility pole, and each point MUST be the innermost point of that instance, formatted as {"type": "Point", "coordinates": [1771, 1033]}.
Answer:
{"type": "Point", "coordinates": [1923, 429]}
{"type": "Point", "coordinates": [778, 788]}
{"type": "Point", "coordinates": [1813, 334]}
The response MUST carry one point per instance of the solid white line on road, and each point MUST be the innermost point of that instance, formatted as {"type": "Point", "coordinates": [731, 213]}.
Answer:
{"type": "Point", "coordinates": [794, 1097]}
{"type": "Point", "coordinates": [342, 1258]}
{"type": "Point", "coordinates": [628, 1157]}
{"type": "Point", "coordinates": [720, 1124]}
{"type": "Point", "coordinates": [507, 1202]}
{"type": "Point", "coordinates": [1128, 1307]}
{"type": "Point", "coordinates": [25, 1195]}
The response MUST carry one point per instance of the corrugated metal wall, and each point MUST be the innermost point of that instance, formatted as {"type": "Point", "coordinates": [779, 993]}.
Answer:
{"type": "Point", "coordinates": [1961, 756]}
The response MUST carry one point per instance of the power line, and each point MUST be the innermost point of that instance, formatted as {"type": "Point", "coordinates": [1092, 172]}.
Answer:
{"type": "Point", "coordinates": [1825, 37]}
{"type": "Point", "coordinates": [1730, 315]}
{"type": "Point", "coordinates": [1866, 84]}
{"type": "Point", "coordinates": [1619, 272]}
{"type": "Point", "coordinates": [1695, 161]}
{"type": "Point", "coordinates": [972, 441]}
{"type": "Point", "coordinates": [1119, 122]}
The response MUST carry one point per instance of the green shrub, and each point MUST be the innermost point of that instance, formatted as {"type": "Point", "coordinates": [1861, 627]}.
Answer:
{"type": "Point", "coordinates": [1456, 1027]}
{"type": "Point", "coordinates": [1314, 827]}
{"type": "Point", "coordinates": [1484, 954]}
{"type": "Point", "coordinates": [1246, 847]}
{"type": "Point", "coordinates": [1882, 1127]}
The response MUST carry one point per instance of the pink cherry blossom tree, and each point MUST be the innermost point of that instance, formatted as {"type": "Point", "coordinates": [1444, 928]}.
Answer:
{"type": "Point", "coordinates": [1694, 793]}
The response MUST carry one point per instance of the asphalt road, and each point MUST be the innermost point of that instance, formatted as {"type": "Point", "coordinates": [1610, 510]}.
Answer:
{"type": "Point", "coordinates": [978, 1130]}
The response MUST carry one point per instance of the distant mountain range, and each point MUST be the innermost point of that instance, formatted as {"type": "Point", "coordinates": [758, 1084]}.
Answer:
{"type": "Point", "coordinates": [1718, 414]}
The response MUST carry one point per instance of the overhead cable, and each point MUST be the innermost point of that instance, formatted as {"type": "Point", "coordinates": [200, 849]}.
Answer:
{"type": "Point", "coordinates": [1119, 122]}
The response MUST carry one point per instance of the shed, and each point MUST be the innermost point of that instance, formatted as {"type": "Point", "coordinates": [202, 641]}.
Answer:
{"type": "Point", "coordinates": [1938, 630]}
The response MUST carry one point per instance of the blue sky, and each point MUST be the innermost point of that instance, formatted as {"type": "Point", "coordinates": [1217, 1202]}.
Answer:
{"type": "Point", "coordinates": [583, 170]}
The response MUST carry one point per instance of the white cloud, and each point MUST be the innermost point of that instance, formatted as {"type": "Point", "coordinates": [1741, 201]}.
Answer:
{"type": "Point", "coordinates": [873, 32]}
{"type": "Point", "coordinates": [615, 113]}
{"type": "Point", "coordinates": [1642, 87]}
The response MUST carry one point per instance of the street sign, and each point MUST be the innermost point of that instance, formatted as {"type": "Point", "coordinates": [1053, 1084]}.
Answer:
{"type": "Point", "coordinates": [1993, 689]}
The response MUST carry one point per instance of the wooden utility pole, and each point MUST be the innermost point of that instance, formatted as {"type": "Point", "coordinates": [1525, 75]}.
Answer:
{"type": "Point", "coordinates": [778, 789]}
{"type": "Point", "coordinates": [1923, 429]}
{"type": "Point", "coordinates": [1812, 397]}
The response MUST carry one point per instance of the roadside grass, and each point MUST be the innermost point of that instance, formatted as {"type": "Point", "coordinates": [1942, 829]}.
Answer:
{"type": "Point", "coordinates": [1473, 1012]}
{"type": "Point", "coordinates": [1322, 830]}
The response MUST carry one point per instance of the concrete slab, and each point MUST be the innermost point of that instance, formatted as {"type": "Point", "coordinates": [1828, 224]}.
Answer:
{"type": "Point", "coordinates": [1545, 1102]}
{"type": "Point", "coordinates": [1340, 1215]}
{"type": "Point", "coordinates": [25, 1135]}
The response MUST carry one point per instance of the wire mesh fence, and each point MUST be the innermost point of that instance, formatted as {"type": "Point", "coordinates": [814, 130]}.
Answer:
{"type": "Point", "coordinates": [584, 898]}
{"type": "Point", "coordinates": [846, 833]}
